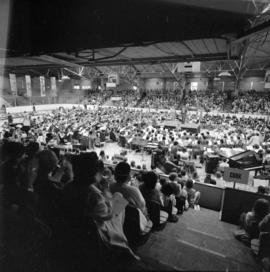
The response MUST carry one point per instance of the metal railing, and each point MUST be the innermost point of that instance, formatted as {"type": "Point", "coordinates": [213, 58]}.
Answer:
{"type": "Point", "coordinates": [15, 101]}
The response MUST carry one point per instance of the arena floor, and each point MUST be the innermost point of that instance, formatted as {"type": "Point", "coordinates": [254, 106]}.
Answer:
{"type": "Point", "coordinates": [140, 158]}
{"type": "Point", "coordinates": [198, 241]}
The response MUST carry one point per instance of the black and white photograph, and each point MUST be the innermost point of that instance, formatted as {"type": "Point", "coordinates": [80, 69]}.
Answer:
{"type": "Point", "coordinates": [134, 135]}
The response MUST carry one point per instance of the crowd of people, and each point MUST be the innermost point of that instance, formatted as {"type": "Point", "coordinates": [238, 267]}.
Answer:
{"type": "Point", "coordinates": [67, 125]}
{"type": "Point", "coordinates": [206, 100]}
{"type": "Point", "coordinates": [160, 99]}
{"type": "Point", "coordinates": [68, 212]}
{"type": "Point", "coordinates": [250, 102]}
{"type": "Point", "coordinates": [62, 210]}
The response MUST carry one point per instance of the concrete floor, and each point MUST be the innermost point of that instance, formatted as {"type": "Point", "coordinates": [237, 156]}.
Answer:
{"type": "Point", "coordinates": [198, 241]}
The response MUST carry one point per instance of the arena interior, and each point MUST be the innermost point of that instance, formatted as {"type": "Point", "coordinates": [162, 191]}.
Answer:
{"type": "Point", "coordinates": [135, 135]}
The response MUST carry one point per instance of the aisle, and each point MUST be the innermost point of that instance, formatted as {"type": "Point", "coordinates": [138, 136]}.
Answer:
{"type": "Point", "coordinates": [199, 241]}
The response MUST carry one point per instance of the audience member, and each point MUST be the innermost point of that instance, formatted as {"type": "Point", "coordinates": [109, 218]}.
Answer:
{"type": "Point", "coordinates": [193, 196]}
{"type": "Point", "coordinates": [249, 222]}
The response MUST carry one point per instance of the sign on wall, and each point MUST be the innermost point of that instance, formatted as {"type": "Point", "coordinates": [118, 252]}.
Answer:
{"type": "Point", "coordinates": [267, 80]}
{"type": "Point", "coordinates": [13, 84]}
{"type": "Point", "coordinates": [28, 85]}
{"type": "Point", "coordinates": [53, 86]}
{"type": "Point", "coordinates": [236, 175]}
{"type": "Point", "coordinates": [42, 86]}
{"type": "Point", "coordinates": [113, 78]}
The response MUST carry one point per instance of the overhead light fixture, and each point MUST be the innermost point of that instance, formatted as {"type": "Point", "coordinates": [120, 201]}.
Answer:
{"type": "Point", "coordinates": [224, 74]}
{"type": "Point", "coordinates": [135, 88]}
{"type": "Point", "coordinates": [65, 77]}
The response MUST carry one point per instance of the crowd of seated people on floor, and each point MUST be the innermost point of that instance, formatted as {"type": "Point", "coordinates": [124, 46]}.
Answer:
{"type": "Point", "coordinates": [77, 125]}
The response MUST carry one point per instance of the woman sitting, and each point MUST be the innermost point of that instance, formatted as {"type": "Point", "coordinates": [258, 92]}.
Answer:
{"type": "Point", "coordinates": [152, 195]}
{"type": "Point", "coordinates": [249, 222]}
{"type": "Point", "coordinates": [107, 212]}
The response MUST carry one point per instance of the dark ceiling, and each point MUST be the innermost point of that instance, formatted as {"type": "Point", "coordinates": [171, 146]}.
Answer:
{"type": "Point", "coordinates": [44, 27]}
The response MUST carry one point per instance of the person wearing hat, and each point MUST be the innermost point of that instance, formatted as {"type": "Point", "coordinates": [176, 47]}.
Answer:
{"type": "Point", "coordinates": [130, 193]}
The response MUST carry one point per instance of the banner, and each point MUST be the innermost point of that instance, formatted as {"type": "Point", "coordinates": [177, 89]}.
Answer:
{"type": "Point", "coordinates": [42, 86]}
{"type": "Point", "coordinates": [13, 84]}
{"type": "Point", "coordinates": [267, 80]}
{"type": "Point", "coordinates": [53, 86]}
{"type": "Point", "coordinates": [28, 86]}
{"type": "Point", "coordinates": [236, 175]}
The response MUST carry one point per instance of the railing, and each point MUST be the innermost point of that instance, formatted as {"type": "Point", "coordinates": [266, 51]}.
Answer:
{"type": "Point", "coordinates": [79, 99]}
{"type": "Point", "coordinates": [41, 100]}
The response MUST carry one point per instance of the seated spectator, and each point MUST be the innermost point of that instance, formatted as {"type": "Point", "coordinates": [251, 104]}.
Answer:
{"type": "Point", "coordinates": [208, 179]}
{"type": "Point", "coordinates": [148, 188]}
{"type": "Point", "coordinates": [109, 222]}
{"type": "Point", "coordinates": [76, 192]}
{"type": "Point", "coordinates": [107, 179]}
{"type": "Point", "coordinates": [264, 225]}
{"type": "Point", "coordinates": [130, 193]}
{"type": "Point", "coordinates": [12, 154]}
{"type": "Point", "coordinates": [132, 164]}
{"type": "Point", "coordinates": [261, 190]}
{"type": "Point", "coordinates": [193, 196]}
{"type": "Point", "coordinates": [222, 165]}
{"type": "Point", "coordinates": [102, 156]}
{"type": "Point", "coordinates": [249, 222]}
{"type": "Point", "coordinates": [151, 194]}
{"type": "Point", "coordinates": [219, 180]}
{"type": "Point", "coordinates": [178, 192]}
{"type": "Point", "coordinates": [195, 177]}
{"type": "Point", "coordinates": [184, 176]}
{"type": "Point", "coordinates": [25, 243]}
{"type": "Point", "coordinates": [67, 170]}
{"type": "Point", "coordinates": [184, 154]}
{"type": "Point", "coordinates": [47, 187]}
{"type": "Point", "coordinates": [169, 201]}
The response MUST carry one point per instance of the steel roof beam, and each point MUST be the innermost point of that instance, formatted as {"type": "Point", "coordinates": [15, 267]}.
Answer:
{"type": "Point", "coordinates": [189, 49]}
{"type": "Point", "coordinates": [58, 61]}
{"type": "Point", "coordinates": [264, 27]}
{"type": "Point", "coordinates": [138, 61]}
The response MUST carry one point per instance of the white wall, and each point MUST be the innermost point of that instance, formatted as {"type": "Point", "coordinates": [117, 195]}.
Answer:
{"type": "Point", "coordinates": [154, 83]}
{"type": "Point", "coordinates": [246, 84]}
{"type": "Point", "coordinates": [202, 82]}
